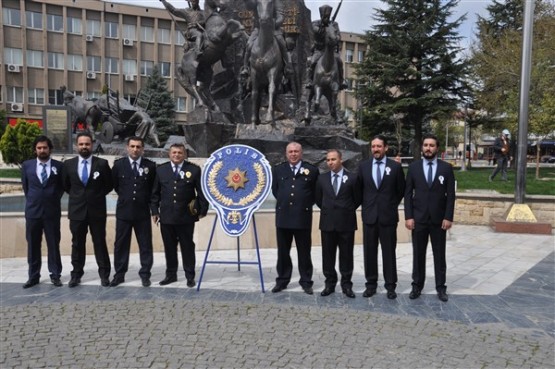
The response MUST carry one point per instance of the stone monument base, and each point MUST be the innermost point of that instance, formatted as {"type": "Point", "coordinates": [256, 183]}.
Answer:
{"type": "Point", "coordinates": [502, 225]}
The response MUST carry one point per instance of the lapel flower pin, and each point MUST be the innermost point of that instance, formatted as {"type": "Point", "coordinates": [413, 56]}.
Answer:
{"type": "Point", "coordinates": [182, 174]}
{"type": "Point", "coordinates": [188, 174]}
{"type": "Point", "coordinates": [54, 170]}
{"type": "Point", "coordinates": [345, 178]}
{"type": "Point", "coordinates": [141, 170]}
{"type": "Point", "coordinates": [387, 171]}
{"type": "Point", "coordinates": [95, 175]}
{"type": "Point", "coordinates": [441, 179]}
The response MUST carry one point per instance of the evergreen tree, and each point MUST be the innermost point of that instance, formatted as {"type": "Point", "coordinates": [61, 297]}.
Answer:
{"type": "Point", "coordinates": [162, 105]}
{"type": "Point", "coordinates": [412, 72]}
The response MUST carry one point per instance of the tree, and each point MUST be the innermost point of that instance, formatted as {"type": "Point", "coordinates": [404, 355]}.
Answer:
{"type": "Point", "coordinates": [16, 143]}
{"type": "Point", "coordinates": [162, 105]}
{"type": "Point", "coordinates": [3, 122]}
{"type": "Point", "coordinates": [412, 70]}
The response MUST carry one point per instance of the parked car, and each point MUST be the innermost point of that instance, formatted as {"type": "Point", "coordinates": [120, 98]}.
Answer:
{"type": "Point", "coordinates": [548, 158]}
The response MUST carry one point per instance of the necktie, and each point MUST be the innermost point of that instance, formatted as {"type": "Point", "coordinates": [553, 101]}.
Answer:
{"type": "Point", "coordinates": [378, 174]}
{"type": "Point", "coordinates": [176, 171]}
{"type": "Point", "coordinates": [43, 174]}
{"type": "Point", "coordinates": [336, 183]}
{"type": "Point", "coordinates": [293, 168]}
{"type": "Point", "coordinates": [430, 174]}
{"type": "Point", "coordinates": [135, 170]}
{"type": "Point", "coordinates": [85, 173]}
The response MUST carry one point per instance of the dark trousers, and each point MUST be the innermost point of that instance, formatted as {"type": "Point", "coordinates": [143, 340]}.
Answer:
{"type": "Point", "coordinates": [172, 234]}
{"type": "Point", "coordinates": [502, 163]}
{"type": "Point", "coordinates": [34, 229]}
{"type": "Point", "coordinates": [122, 245]}
{"type": "Point", "coordinates": [79, 229]}
{"type": "Point", "coordinates": [386, 236]}
{"type": "Point", "coordinates": [420, 235]}
{"type": "Point", "coordinates": [303, 241]}
{"type": "Point", "coordinates": [331, 241]}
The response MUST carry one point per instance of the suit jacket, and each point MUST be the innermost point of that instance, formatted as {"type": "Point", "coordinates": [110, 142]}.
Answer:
{"type": "Point", "coordinates": [380, 205]}
{"type": "Point", "coordinates": [294, 195]}
{"type": "Point", "coordinates": [498, 147]}
{"type": "Point", "coordinates": [338, 212]}
{"type": "Point", "coordinates": [90, 200]}
{"type": "Point", "coordinates": [171, 196]}
{"type": "Point", "coordinates": [423, 203]}
{"type": "Point", "coordinates": [134, 192]}
{"type": "Point", "coordinates": [42, 201]}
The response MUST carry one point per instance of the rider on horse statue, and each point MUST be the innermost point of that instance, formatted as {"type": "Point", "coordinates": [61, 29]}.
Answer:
{"type": "Point", "coordinates": [319, 30]}
{"type": "Point", "coordinates": [194, 17]}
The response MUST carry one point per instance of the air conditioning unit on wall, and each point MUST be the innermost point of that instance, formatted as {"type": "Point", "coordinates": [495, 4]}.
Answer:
{"type": "Point", "coordinates": [17, 107]}
{"type": "Point", "coordinates": [129, 77]}
{"type": "Point", "coordinates": [14, 68]}
{"type": "Point", "coordinates": [127, 42]}
{"type": "Point", "coordinates": [89, 38]}
{"type": "Point", "coordinates": [91, 75]}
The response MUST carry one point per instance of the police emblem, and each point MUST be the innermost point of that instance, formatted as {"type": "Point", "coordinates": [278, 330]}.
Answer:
{"type": "Point", "coordinates": [236, 180]}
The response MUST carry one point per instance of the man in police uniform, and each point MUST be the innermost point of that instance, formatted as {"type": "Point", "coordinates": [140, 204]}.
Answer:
{"type": "Point", "coordinates": [177, 203]}
{"type": "Point", "coordinates": [293, 186]}
{"type": "Point", "coordinates": [133, 177]}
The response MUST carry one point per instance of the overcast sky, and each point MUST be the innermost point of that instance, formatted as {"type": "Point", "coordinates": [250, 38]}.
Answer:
{"type": "Point", "coordinates": [356, 15]}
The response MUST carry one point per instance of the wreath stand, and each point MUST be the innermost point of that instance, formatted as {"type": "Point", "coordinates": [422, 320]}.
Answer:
{"type": "Point", "coordinates": [238, 262]}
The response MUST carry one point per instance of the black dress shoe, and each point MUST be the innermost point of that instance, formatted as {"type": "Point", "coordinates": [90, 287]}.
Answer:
{"type": "Point", "coordinates": [56, 281]}
{"type": "Point", "coordinates": [105, 282]}
{"type": "Point", "coordinates": [168, 280]}
{"type": "Point", "coordinates": [30, 283]}
{"type": "Point", "coordinates": [349, 293]}
{"type": "Point", "coordinates": [327, 291]}
{"type": "Point", "coordinates": [308, 290]}
{"type": "Point", "coordinates": [278, 288]}
{"type": "Point", "coordinates": [442, 295]}
{"type": "Point", "coordinates": [145, 282]}
{"type": "Point", "coordinates": [392, 295]}
{"type": "Point", "coordinates": [191, 283]}
{"type": "Point", "coordinates": [415, 293]}
{"type": "Point", "coordinates": [117, 281]}
{"type": "Point", "coordinates": [74, 282]}
{"type": "Point", "coordinates": [369, 292]}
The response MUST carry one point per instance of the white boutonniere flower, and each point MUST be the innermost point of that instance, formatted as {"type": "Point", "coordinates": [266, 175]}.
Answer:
{"type": "Point", "coordinates": [141, 170]}
{"type": "Point", "coordinates": [305, 171]}
{"type": "Point", "coordinates": [182, 174]}
{"type": "Point", "coordinates": [387, 171]}
{"type": "Point", "coordinates": [301, 170]}
{"type": "Point", "coordinates": [441, 179]}
{"type": "Point", "coordinates": [145, 170]}
{"type": "Point", "coordinates": [345, 178]}
{"type": "Point", "coordinates": [95, 175]}
{"type": "Point", "coordinates": [54, 170]}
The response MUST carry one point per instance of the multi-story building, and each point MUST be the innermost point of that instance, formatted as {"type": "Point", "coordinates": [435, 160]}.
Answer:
{"type": "Point", "coordinates": [87, 44]}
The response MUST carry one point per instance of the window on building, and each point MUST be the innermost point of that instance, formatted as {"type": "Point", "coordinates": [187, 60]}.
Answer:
{"type": "Point", "coordinates": [14, 94]}
{"type": "Point", "coordinates": [349, 55]}
{"type": "Point", "coordinates": [34, 59]}
{"type": "Point", "coordinates": [349, 82]}
{"type": "Point", "coordinates": [360, 56]}
{"type": "Point", "coordinates": [129, 31]}
{"type": "Point", "coordinates": [54, 23]}
{"type": "Point", "coordinates": [75, 62]}
{"type": "Point", "coordinates": [164, 36]}
{"type": "Point", "coordinates": [93, 27]}
{"type": "Point", "coordinates": [35, 96]}
{"type": "Point", "coordinates": [11, 17]}
{"type": "Point", "coordinates": [147, 34]}
{"type": "Point", "coordinates": [55, 97]}
{"type": "Point", "coordinates": [93, 95]}
{"type": "Point", "coordinates": [94, 64]}
{"type": "Point", "coordinates": [129, 66]}
{"type": "Point", "coordinates": [181, 104]}
{"type": "Point", "coordinates": [165, 69]}
{"type": "Point", "coordinates": [56, 60]}
{"type": "Point", "coordinates": [13, 56]}
{"type": "Point", "coordinates": [111, 65]}
{"type": "Point", "coordinates": [33, 20]}
{"type": "Point", "coordinates": [111, 30]}
{"type": "Point", "coordinates": [74, 26]}
{"type": "Point", "coordinates": [146, 67]}
{"type": "Point", "coordinates": [180, 39]}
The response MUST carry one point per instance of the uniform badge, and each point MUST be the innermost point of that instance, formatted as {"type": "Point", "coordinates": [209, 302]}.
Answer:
{"type": "Point", "coordinates": [236, 179]}
{"type": "Point", "coordinates": [188, 174]}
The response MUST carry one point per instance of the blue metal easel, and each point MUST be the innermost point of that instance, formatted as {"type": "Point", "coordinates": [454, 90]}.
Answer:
{"type": "Point", "coordinates": [238, 262]}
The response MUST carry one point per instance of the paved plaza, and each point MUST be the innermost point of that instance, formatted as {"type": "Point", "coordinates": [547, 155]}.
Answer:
{"type": "Point", "coordinates": [500, 314]}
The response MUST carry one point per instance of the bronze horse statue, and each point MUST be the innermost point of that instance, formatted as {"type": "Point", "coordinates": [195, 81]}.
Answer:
{"type": "Point", "coordinates": [195, 75]}
{"type": "Point", "coordinates": [326, 79]}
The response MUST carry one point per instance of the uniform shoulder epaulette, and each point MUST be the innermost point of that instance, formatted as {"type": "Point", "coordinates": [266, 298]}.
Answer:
{"type": "Point", "coordinates": [193, 164]}
{"type": "Point", "coordinates": [147, 160]}
{"type": "Point", "coordinates": [166, 163]}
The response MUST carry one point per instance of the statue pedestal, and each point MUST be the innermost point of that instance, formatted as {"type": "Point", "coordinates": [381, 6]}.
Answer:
{"type": "Point", "coordinates": [206, 138]}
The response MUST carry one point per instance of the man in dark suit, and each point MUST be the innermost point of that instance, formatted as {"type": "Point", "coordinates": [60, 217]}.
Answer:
{"type": "Point", "coordinates": [177, 203]}
{"type": "Point", "coordinates": [41, 179]}
{"type": "Point", "coordinates": [87, 179]}
{"type": "Point", "coordinates": [133, 177]}
{"type": "Point", "coordinates": [381, 182]}
{"type": "Point", "coordinates": [293, 186]}
{"type": "Point", "coordinates": [337, 197]}
{"type": "Point", "coordinates": [429, 208]}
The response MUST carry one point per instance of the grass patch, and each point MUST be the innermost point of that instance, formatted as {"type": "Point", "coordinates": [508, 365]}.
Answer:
{"type": "Point", "coordinates": [10, 173]}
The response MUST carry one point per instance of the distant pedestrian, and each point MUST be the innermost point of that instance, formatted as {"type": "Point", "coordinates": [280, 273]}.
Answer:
{"type": "Point", "coordinates": [41, 179]}
{"type": "Point", "coordinates": [429, 207]}
{"type": "Point", "coordinates": [501, 149]}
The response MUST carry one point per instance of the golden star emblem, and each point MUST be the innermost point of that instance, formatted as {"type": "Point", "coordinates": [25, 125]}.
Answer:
{"type": "Point", "coordinates": [236, 178]}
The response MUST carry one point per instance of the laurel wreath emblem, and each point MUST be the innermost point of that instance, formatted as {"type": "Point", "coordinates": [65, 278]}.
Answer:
{"type": "Point", "coordinates": [243, 201]}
